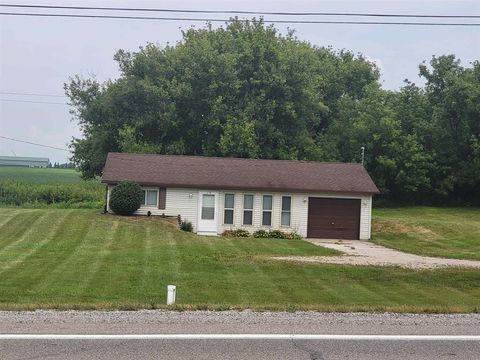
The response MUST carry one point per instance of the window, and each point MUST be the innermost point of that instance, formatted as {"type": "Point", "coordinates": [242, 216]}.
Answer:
{"type": "Point", "coordinates": [247, 209]}
{"type": "Point", "coordinates": [150, 197]}
{"type": "Point", "coordinates": [229, 205]}
{"type": "Point", "coordinates": [267, 210]}
{"type": "Point", "coordinates": [208, 207]}
{"type": "Point", "coordinates": [286, 210]}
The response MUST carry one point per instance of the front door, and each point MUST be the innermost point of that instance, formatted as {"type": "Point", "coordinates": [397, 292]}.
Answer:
{"type": "Point", "coordinates": [207, 212]}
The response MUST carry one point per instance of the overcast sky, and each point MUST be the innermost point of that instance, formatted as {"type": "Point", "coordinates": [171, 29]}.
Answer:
{"type": "Point", "coordinates": [37, 55]}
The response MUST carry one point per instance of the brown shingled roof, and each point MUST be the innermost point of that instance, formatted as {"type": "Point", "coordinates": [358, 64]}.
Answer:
{"type": "Point", "coordinates": [234, 173]}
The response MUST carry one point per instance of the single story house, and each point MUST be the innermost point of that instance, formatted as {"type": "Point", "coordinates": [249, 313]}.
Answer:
{"type": "Point", "coordinates": [314, 199]}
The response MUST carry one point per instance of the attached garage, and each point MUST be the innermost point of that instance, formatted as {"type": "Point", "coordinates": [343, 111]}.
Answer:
{"type": "Point", "coordinates": [330, 218]}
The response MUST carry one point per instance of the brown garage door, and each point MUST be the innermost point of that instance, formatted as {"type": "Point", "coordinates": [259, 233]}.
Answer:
{"type": "Point", "coordinates": [333, 218]}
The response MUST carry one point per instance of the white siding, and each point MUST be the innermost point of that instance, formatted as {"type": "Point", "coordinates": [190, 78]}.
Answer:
{"type": "Point", "coordinates": [178, 201]}
{"type": "Point", "coordinates": [185, 202]}
{"type": "Point", "coordinates": [299, 211]}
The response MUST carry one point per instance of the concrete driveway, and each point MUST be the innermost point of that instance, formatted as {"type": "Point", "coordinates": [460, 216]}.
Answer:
{"type": "Point", "coordinates": [367, 253]}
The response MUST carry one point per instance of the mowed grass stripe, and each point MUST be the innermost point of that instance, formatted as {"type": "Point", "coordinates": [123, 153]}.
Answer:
{"type": "Point", "coordinates": [63, 272]}
{"type": "Point", "coordinates": [7, 217]}
{"type": "Point", "coordinates": [230, 272]}
{"type": "Point", "coordinates": [152, 277]}
{"type": "Point", "coordinates": [44, 234]}
{"type": "Point", "coordinates": [89, 265]}
{"type": "Point", "coordinates": [14, 228]}
{"type": "Point", "coordinates": [33, 226]}
{"type": "Point", "coordinates": [45, 260]}
{"type": "Point", "coordinates": [89, 280]}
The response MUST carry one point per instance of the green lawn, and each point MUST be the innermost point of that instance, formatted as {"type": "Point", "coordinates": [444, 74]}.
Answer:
{"type": "Point", "coordinates": [66, 258]}
{"type": "Point", "coordinates": [440, 232]}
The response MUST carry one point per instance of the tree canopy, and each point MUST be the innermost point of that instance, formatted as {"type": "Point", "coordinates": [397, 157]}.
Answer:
{"type": "Point", "coordinates": [245, 90]}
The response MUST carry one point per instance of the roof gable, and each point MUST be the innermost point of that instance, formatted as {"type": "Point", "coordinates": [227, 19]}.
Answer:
{"type": "Point", "coordinates": [236, 173]}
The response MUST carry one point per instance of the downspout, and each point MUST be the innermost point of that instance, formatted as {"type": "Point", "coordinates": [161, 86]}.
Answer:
{"type": "Point", "coordinates": [106, 199]}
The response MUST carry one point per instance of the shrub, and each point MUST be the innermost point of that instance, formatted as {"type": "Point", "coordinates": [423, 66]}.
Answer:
{"type": "Point", "coordinates": [261, 234]}
{"type": "Point", "coordinates": [292, 236]}
{"type": "Point", "coordinates": [126, 198]}
{"type": "Point", "coordinates": [236, 233]}
{"type": "Point", "coordinates": [186, 226]}
{"type": "Point", "coordinates": [276, 234]}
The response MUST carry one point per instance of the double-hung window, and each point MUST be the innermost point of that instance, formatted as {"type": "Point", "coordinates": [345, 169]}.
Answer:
{"type": "Point", "coordinates": [267, 210]}
{"type": "Point", "coordinates": [150, 197]}
{"type": "Point", "coordinates": [228, 206]}
{"type": "Point", "coordinates": [286, 211]}
{"type": "Point", "coordinates": [247, 209]}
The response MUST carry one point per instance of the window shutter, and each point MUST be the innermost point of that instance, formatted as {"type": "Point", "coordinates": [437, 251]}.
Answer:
{"type": "Point", "coordinates": [162, 195]}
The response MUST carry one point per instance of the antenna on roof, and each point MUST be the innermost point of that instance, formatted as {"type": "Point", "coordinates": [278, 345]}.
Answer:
{"type": "Point", "coordinates": [363, 154]}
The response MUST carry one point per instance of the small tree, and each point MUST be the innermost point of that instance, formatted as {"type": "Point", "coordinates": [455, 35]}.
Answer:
{"type": "Point", "coordinates": [126, 198]}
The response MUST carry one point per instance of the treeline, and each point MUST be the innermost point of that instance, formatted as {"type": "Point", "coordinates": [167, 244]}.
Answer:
{"type": "Point", "coordinates": [57, 165]}
{"type": "Point", "coordinates": [247, 91]}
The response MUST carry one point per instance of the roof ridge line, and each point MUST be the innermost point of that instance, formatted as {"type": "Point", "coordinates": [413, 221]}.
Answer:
{"type": "Point", "coordinates": [236, 158]}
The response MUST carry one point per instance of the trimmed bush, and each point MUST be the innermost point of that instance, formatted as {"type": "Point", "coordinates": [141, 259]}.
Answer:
{"type": "Point", "coordinates": [126, 198]}
{"type": "Point", "coordinates": [275, 234]}
{"type": "Point", "coordinates": [261, 234]}
{"type": "Point", "coordinates": [236, 233]}
{"type": "Point", "coordinates": [186, 226]}
{"type": "Point", "coordinates": [292, 236]}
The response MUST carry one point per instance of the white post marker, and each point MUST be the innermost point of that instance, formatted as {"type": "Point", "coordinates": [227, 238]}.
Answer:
{"type": "Point", "coordinates": [171, 290]}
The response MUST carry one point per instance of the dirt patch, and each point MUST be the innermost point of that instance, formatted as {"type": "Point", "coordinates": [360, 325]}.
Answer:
{"type": "Point", "coordinates": [401, 228]}
{"type": "Point", "coordinates": [141, 220]}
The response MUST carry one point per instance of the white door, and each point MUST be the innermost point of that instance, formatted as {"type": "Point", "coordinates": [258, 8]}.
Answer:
{"type": "Point", "coordinates": [207, 212]}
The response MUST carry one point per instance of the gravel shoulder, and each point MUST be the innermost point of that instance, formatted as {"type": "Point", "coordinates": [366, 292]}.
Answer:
{"type": "Point", "coordinates": [165, 322]}
{"type": "Point", "coordinates": [367, 253]}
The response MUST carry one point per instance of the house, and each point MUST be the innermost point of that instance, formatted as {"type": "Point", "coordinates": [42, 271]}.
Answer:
{"type": "Point", "coordinates": [315, 199]}
{"type": "Point", "coordinates": [24, 161]}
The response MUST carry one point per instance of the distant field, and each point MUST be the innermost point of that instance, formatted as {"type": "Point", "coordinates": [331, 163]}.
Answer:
{"type": "Point", "coordinates": [40, 187]}
{"type": "Point", "coordinates": [39, 175]}
{"type": "Point", "coordinates": [430, 231]}
{"type": "Point", "coordinates": [82, 259]}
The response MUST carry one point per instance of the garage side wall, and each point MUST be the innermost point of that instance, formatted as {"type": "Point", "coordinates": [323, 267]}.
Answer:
{"type": "Point", "coordinates": [300, 208]}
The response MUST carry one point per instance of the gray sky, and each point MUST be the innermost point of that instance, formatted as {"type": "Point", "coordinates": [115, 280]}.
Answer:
{"type": "Point", "coordinates": [37, 55]}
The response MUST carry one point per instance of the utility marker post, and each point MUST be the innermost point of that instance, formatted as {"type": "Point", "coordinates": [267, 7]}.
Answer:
{"type": "Point", "coordinates": [171, 292]}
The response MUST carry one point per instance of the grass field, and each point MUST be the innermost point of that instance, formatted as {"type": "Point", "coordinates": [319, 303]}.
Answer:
{"type": "Point", "coordinates": [35, 187]}
{"type": "Point", "coordinates": [440, 232]}
{"type": "Point", "coordinates": [66, 258]}
{"type": "Point", "coordinates": [39, 175]}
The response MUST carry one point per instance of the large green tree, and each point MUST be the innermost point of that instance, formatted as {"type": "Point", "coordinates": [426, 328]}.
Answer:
{"type": "Point", "coordinates": [245, 90]}
{"type": "Point", "coordinates": [241, 90]}
{"type": "Point", "coordinates": [453, 94]}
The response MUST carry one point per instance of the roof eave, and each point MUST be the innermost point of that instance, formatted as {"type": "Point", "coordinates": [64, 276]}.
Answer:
{"type": "Point", "coordinates": [245, 188]}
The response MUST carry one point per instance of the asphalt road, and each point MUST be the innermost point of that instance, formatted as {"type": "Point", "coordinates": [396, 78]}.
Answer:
{"type": "Point", "coordinates": [238, 349]}
{"type": "Point", "coordinates": [231, 322]}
